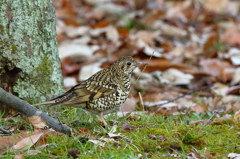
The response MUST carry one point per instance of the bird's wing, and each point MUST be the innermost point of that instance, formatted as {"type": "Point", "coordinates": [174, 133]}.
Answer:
{"type": "Point", "coordinates": [83, 92]}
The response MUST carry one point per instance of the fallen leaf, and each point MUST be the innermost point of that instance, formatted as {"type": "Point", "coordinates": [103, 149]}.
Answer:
{"type": "Point", "coordinates": [8, 141]}
{"type": "Point", "coordinates": [218, 68]}
{"type": "Point", "coordinates": [19, 156]}
{"type": "Point", "coordinates": [72, 31]}
{"type": "Point", "coordinates": [175, 77]}
{"type": "Point", "coordinates": [175, 147]}
{"type": "Point", "coordinates": [147, 36]}
{"type": "Point", "coordinates": [220, 89]}
{"type": "Point", "coordinates": [236, 76]}
{"type": "Point", "coordinates": [200, 108]}
{"type": "Point", "coordinates": [169, 29]}
{"type": "Point", "coordinates": [126, 127]}
{"type": "Point", "coordinates": [27, 141]}
{"type": "Point", "coordinates": [237, 115]}
{"type": "Point", "coordinates": [211, 4]}
{"type": "Point", "coordinates": [233, 156]}
{"type": "Point", "coordinates": [73, 153]}
{"type": "Point", "coordinates": [223, 118]}
{"type": "Point", "coordinates": [83, 131]}
{"type": "Point", "coordinates": [37, 122]}
{"type": "Point", "coordinates": [115, 135]}
{"type": "Point", "coordinates": [231, 35]}
{"type": "Point", "coordinates": [112, 34]}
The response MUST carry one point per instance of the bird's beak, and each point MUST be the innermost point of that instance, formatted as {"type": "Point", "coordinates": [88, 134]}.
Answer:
{"type": "Point", "coordinates": [141, 63]}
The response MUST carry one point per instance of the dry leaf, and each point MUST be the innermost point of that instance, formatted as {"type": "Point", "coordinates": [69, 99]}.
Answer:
{"type": "Point", "coordinates": [200, 108]}
{"type": "Point", "coordinates": [18, 141]}
{"type": "Point", "coordinates": [175, 77]}
{"type": "Point", "coordinates": [220, 89]}
{"type": "Point", "coordinates": [112, 34]}
{"type": "Point", "coordinates": [147, 36]}
{"type": "Point", "coordinates": [27, 141]}
{"type": "Point", "coordinates": [211, 4]}
{"type": "Point", "coordinates": [237, 115]}
{"type": "Point", "coordinates": [217, 68]}
{"type": "Point", "coordinates": [37, 122]}
{"type": "Point", "coordinates": [236, 76]}
{"type": "Point", "coordinates": [233, 156]}
{"type": "Point", "coordinates": [126, 127]}
{"type": "Point", "coordinates": [75, 50]}
{"type": "Point", "coordinates": [231, 35]}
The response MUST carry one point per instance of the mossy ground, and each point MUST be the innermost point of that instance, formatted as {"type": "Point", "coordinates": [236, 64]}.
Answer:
{"type": "Point", "coordinates": [149, 136]}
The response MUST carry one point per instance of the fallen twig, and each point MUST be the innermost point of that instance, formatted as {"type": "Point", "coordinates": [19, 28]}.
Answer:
{"type": "Point", "coordinates": [28, 110]}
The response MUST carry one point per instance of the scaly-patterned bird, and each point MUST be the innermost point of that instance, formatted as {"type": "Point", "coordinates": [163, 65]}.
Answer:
{"type": "Point", "coordinates": [102, 93]}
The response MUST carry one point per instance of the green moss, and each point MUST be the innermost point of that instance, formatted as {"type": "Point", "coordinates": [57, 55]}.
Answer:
{"type": "Point", "coordinates": [174, 135]}
{"type": "Point", "coordinates": [44, 69]}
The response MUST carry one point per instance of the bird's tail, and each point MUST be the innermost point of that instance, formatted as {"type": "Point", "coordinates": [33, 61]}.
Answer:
{"type": "Point", "coordinates": [45, 103]}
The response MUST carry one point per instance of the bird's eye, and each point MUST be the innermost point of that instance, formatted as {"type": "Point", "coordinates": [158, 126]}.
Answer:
{"type": "Point", "coordinates": [129, 63]}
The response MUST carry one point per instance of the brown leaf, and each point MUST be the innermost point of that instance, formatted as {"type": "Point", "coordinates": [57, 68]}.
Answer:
{"type": "Point", "coordinates": [123, 32]}
{"type": "Point", "coordinates": [19, 156]}
{"type": "Point", "coordinates": [127, 127]}
{"type": "Point", "coordinates": [175, 147]}
{"type": "Point", "coordinates": [8, 141]}
{"type": "Point", "coordinates": [200, 108]}
{"type": "Point", "coordinates": [163, 64]}
{"type": "Point", "coordinates": [18, 141]}
{"type": "Point", "coordinates": [68, 67]}
{"type": "Point", "coordinates": [217, 68]}
{"type": "Point", "coordinates": [100, 24]}
{"type": "Point", "coordinates": [237, 115]}
{"type": "Point", "coordinates": [232, 35]}
{"type": "Point", "coordinates": [37, 122]}
{"type": "Point", "coordinates": [211, 4]}
{"type": "Point", "coordinates": [27, 141]}
{"type": "Point", "coordinates": [83, 131]}
{"type": "Point", "coordinates": [164, 111]}
{"type": "Point", "coordinates": [236, 107]}
{"type": "Point", "coordinates": [147, 36]}
{"type": "Point", "coordinates": [73, 153]}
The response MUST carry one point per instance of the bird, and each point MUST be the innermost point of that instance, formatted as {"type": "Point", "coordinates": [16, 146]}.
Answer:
{"type": "Point", "coordinates": [102, 93]}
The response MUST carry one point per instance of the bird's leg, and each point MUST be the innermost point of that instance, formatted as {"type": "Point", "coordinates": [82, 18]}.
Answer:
{"type": "Point", "coordinates": [102, 119]}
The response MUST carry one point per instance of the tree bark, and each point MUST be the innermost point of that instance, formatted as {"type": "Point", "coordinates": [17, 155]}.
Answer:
{"type": "Point", "coordinates": [29, 110]}
{"type": "Point", "coordinates": [29, 62]}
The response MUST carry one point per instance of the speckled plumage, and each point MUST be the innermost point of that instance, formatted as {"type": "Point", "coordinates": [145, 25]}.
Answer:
{"type": "Point", "coordinates": [102, 93]}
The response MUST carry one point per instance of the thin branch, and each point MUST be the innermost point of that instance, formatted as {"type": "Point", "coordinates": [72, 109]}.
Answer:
{"type": "Point", "coordinates": [28, 110]}
{"type": "Point", "coordinates": [5, 131]}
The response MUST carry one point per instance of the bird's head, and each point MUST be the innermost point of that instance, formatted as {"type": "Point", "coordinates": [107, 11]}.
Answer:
{"type": "Point", "coordinates": [127, 64]}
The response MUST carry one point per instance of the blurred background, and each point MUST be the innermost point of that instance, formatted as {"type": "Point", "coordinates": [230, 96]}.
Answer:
{"type": "Point", "coordinates": [188, 44]}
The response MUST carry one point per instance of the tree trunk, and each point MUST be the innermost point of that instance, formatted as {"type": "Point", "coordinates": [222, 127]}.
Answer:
{"type": "Point", "coordinates": [29, 62]}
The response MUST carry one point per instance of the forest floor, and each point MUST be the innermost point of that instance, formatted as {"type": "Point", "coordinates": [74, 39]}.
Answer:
{"type": "Point", "coordinates": [183, 104]}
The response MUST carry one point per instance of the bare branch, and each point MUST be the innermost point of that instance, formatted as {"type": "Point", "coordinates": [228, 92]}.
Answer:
{"type": "Point", "coordinates": [28, 110]}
